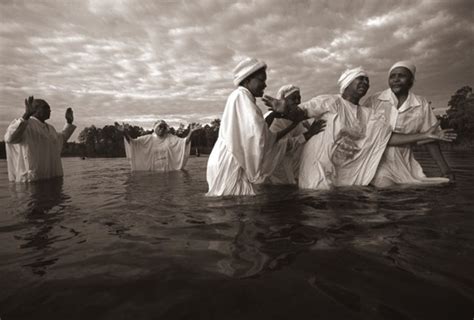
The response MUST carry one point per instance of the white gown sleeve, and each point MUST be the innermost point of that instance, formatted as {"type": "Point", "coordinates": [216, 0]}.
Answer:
{"type": "Point", "coordinates": [15, 131]}
{"type": "Point", "coordinates": [139, 151]}
{"type": "Point", "coordinates": [67, 132]}
{"type": "Point", "coordinates": [178, 152]}
{"type": "Point", "coordinates": [247, 135]}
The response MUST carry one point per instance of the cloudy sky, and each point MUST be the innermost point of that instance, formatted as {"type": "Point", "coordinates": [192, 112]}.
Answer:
{"type": "Point", "coordinates": [136, 61]}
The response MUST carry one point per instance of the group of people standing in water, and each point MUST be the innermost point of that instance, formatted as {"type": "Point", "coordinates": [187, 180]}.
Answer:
{"type": "Point", "coordinates": [327, 141]}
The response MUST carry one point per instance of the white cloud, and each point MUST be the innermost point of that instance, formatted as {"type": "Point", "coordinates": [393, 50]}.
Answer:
{"type": "Point", "coordinates": [122, 59]}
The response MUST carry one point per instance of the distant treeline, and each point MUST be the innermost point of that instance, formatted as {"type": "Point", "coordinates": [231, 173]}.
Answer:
{"type": "Point", "coordinates": [108, 141]}
{"type": "Point", "coordinates": [460, 117]}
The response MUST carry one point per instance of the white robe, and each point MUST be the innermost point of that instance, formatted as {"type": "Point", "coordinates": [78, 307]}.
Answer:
{"type": "Point", "coordinates": [287, 171]}
{"type": "Point", "coordinates": [153, 153]}
{"type": "Point", "coordinates": [398, 164]}
{"type": "Point", "coordinates": [34, 149]}
{"type": "Point", "coordinates": [246, 151]}
{"type": "Point", "coordinates": [324, 163]}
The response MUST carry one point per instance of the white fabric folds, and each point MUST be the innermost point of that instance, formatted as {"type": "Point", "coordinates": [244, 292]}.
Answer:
{"type": "Point", "coordinates": [34, 150]}
{"type": "Point", "coordinates": [246, 151]}
{"type": "Point", "coordinates": [154, 153]}
{"type": "Point", "coordinates": [287, 171]}
{"type": "Point", "coordinates": [398, 164]}
{"type": "Point", "coordinates": [348, 151]}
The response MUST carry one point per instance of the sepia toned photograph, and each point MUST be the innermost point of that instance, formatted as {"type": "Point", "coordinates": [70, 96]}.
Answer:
{"type": "Point", "coordinates": [244, 159]}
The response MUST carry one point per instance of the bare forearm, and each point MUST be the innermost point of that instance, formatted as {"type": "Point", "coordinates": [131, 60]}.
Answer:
{"type": "Point", "coordinates": [188, 137]}
{"type": "Point", "coordinates": [398, 139]}
{"type": "Point", "coordinates": [269, 119]}
{"type": "Point", "coordinates": [437, 155]}
{"type": "Point", "coordinates": [285, 131]}
{"type": "Point", "coordinates": [67, 132]}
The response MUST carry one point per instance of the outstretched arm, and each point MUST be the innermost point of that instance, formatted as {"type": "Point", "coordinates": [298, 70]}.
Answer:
{"type": "Point", "coordinates": [433, 133]}
{"type": "Point", "coordinates": [123, 128]}
{"type": "Point", "coordinates": [270, 117]}
{"type": "Point", "coordinates": [192, 127]}
{"type": "Point", "coordinates": [437, 155]}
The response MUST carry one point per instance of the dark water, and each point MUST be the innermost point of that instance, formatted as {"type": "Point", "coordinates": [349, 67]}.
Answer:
{"type": "Point", "coordinates": [103, 243]}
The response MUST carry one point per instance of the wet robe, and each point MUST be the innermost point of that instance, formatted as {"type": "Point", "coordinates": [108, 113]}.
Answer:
{"type": "Point", "coordinates": [398, 164]}
{"type": "Point", "coordinates": [153, 153]}
{"type": "Point", "coordinates": [34, 149]}
{"type": "Point", "coordinates": [246, 151]}
{"type": "Point", "coordinates": [325, 162]}
{"type": "Point", "coordinates": [287, 171]}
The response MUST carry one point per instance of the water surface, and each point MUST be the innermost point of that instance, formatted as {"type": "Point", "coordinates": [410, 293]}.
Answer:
{"type": "Point", "coordinates": [103, 243]}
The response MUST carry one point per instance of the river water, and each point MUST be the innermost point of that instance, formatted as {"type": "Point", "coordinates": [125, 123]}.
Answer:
{"type": "Point", "coordinates": [103, 243]}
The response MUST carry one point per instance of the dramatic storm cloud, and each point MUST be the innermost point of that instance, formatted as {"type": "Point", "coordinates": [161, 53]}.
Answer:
{"type": "Point", "coordinates": [136, 61]}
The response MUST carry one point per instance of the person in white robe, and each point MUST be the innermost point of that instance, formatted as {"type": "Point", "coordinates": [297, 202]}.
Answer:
{"type": "Point", "coordinates": [159, 151]}
{"type": "Point", "coordinates": [287, 171]}
{"type": "Point", "coordinates": [246, 151]}
{"type": "Point", "coordinates": [349, 150]}
{"type": "Point", "coordinates": [405, 112]}
{"type": "Point", "coordinates": [33, 146]}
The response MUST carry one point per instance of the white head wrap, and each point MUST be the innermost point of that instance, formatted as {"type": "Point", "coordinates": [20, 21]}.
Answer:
{"type": "Point", "coordinates": [348, 76]}
{"type": "Point", "coordinates": [157, 124]}
{"type": "Point", "coordinates": [285, 91]}
{"type": "Point", "coordinates": [406, 64]}
{"type": "Point", "coordinates": [245, 68]}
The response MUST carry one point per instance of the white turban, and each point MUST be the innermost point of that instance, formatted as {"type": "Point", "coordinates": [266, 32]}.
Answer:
{"type": "Point", "coordinates": [285, 91]}
{"type": "Point", "coordinates": [245, 68]}
{"type": "Point", "coordinates": [158, 123]}
{"type": "Point", "coordinates": [406, 64]}
{"type": "Point", "coordinates": [348, 76]}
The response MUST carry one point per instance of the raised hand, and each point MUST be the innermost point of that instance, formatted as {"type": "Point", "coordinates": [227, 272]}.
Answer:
{"type": "Point", "coordinates": [29, 109]}
{"type": "Point", "coordinates": [277, 105]}
{"type": "Point", "coordinates": [447, 135]}
{"type": "Point", "coordinates": [120, 127]}
{"type": "Point", "coordinates": [317, 126]}
{"type": "Point", "coordinates": [194, 127]}
{"type": "Point", "coordinates": [69, 115]}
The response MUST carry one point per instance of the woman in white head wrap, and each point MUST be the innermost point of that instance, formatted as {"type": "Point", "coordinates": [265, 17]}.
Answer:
{"type": "Point", "coordinates": [348, 151]}
{"type": "Point", "coordinates": [159, 151]}
{"type": "Point", "coordinates": [406, 113]}
{"type": "Point", "coordinates": [287, 171]}
{"type": "Point", "coordinates": [246, 151]}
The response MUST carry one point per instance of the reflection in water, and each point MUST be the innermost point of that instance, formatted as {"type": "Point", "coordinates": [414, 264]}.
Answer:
{"type": "Point", "coordinates": [152, 244]}
{"type": "Point", "coordinates": [260, 243]}
{"type": "Point", "coordinates": [42, 205]}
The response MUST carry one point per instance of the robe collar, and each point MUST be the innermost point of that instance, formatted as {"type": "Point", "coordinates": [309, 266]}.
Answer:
{"type": "Point", "coordinates": [41, 123]}
{"type": "Point", "coordinates": [247, 92]}
{"type": "Point", "coordinates": [412, 100]}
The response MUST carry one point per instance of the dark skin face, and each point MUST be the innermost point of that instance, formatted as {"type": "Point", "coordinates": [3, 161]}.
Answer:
{"type": "Point", "coordinates": [400, 81]}
{"type": "Point", "coordinates": [255, 83]}
{"type": "Point", "coordinates": [356, 89]}
{"type": "Point", "coordinates": [42, 113]}
{"type": "Point", "coordinates": [162, 130]}
{"type": "Point", "coordinates": [293, 100]}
